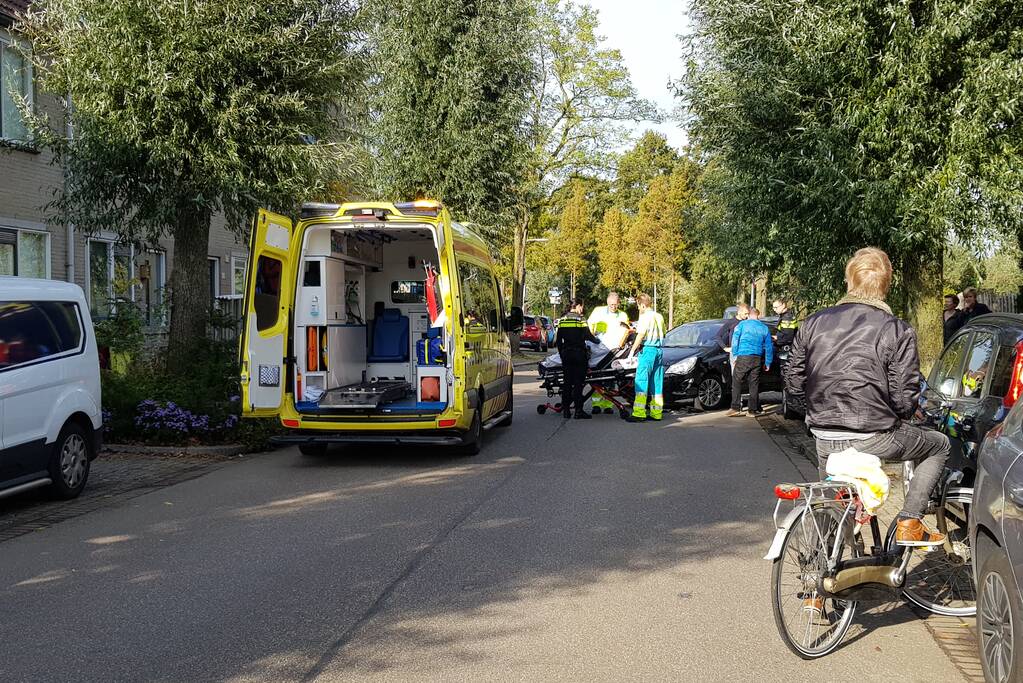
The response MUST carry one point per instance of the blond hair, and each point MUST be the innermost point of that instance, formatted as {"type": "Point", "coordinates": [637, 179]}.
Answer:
{"type": "Point", "coordinates": [644, 299]}
{"type": "Point", "coordinates": [868, 274]}
{"type": "Point", "coordinates": [742, 307]}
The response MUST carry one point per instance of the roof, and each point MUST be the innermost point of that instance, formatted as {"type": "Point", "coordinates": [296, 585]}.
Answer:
{"type": "Point", "coordinates": [12, 8]}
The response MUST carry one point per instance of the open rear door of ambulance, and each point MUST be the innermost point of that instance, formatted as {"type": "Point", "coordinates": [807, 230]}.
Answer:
{"type": "Point", "coordinates": [269, 297]}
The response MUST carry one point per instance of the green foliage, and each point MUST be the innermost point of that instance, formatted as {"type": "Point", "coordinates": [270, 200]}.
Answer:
{"type": "Point", "coordinates": [832, 126]}
{"type": "Point", "coordinates": [208, 389]}
{"type": "Point", "coordinates": [123, 330]}
{"type": "Point", "coordinates": [453, 81]}
{"type": "Point", "coordinates": [651, 157]}
{"type": "Point", "coordinates": [220, 104]}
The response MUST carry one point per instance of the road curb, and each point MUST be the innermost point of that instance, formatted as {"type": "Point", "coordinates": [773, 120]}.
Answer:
{"type": "Point", "coordinates": [226, 451]}
{"type": "Point", "coordinates": [955, 636]}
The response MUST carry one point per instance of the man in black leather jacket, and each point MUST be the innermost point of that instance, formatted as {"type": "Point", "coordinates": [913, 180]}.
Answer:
{"type": "Point", "coordinates": [856, 367]}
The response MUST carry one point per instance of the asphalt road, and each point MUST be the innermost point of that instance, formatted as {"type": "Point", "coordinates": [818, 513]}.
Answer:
{"type": "Point", "coordinates": [579, 551]}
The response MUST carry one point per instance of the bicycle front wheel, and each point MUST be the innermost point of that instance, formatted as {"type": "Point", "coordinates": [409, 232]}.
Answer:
{"type": "Point", "coordinates": [810, 624]}
{"type": "Point", "coordinates": [941, 580]}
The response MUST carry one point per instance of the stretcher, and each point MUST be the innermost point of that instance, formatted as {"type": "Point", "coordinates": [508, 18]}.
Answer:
{"type": "Point", "coordinates": [611, 376]}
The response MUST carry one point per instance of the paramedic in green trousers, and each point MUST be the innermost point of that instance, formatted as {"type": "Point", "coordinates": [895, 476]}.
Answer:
{"type": "Point", "coordinates": [649, 371]}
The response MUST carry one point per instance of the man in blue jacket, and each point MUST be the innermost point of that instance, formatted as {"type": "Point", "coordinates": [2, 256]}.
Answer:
{"type": "Point", "coordinates": [752, 349]}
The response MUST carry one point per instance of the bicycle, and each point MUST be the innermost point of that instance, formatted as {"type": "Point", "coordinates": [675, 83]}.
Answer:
{"type": "Point", "coordinates": [822, 566]}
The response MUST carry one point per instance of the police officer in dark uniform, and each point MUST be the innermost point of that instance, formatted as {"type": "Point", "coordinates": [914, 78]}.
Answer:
{"type": "Point", "coordinates": [787, 324]}
{"type": "Point", "coordinates": [573, 333]}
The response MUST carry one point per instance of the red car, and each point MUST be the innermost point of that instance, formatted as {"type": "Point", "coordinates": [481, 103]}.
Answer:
{"type": "Point", "coordinates": [533, 333]}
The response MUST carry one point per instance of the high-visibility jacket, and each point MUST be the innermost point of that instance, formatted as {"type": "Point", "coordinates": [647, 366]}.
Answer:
{"type": "Point", "coordinates": [787, 326]}
{"type": "Point", "coordinates": [573, 335]}
{"type": "Point", "coordinates": [651, 327]}
{"type": "Point", "coordinates": [608, 326]}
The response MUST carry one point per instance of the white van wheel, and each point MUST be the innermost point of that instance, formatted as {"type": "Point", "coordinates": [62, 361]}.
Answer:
{"type": "Point", "coordinates": [69, 463]}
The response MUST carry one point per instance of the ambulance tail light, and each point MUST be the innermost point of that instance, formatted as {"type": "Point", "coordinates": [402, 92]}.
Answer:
{"type": "Point", "coordinates": [1016, 381]}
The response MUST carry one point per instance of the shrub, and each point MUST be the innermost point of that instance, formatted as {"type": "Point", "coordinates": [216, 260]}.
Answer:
{"type": "Point", "coordinates": [200, 404]}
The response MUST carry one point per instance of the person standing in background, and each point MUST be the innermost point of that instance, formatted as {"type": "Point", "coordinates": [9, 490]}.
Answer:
{"type": "Point", "coordinates": [753, 350]}
{"type": "Point", "coordinates": [950, 317]}
{"type": "Point", "coordinates": [787, 324]}
{"type": "Point", "coordinates": [610, 325]}
{"type": "Point", "coordinates": [650, 370]}
{"type": "Point", "coordinates": [725, 333]}
{"type": "Point", "coordinates": [573, 333]}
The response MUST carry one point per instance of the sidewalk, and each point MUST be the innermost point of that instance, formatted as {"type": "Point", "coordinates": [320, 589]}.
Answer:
{"type": "Point", "coordinates": [956, 636]}
{"type": "Point", "coordinates": [114, 478]}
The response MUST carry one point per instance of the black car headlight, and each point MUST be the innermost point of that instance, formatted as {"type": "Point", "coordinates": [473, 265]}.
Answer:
{"type": "Point", "coordinates": [682, 367]}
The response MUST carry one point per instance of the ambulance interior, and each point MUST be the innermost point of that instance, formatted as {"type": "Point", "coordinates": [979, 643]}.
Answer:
{"type": "Point", "coordinates": [370, 332]}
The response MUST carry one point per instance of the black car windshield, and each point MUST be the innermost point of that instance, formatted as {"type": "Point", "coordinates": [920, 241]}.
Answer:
{"type": "Point", "coordinates": [694, 334]}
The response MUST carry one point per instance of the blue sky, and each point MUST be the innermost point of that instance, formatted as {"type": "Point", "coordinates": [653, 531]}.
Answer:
{"type": "Point", "coordinates": [646, 32]}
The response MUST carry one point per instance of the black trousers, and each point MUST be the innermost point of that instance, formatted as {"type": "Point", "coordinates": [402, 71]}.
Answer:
{"type": "Point", "coordinates": [747, 371]}
{"type": "Point", "coordinates": [575, 365]}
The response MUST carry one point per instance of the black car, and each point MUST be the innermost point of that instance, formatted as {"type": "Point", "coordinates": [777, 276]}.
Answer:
{"type": "Point", "coordinates": [696, 368]}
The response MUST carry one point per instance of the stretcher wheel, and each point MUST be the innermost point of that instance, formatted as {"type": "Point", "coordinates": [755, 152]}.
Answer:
{"type": "Point", "coordinates": [557, 405]}
{"type": "Point", "coordinates": [540, 410]}
{"type": "Point", "coordinates": [623, 413]}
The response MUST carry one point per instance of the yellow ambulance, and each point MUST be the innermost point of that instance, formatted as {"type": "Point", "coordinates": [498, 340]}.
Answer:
{"type": "Point", "coordinates": [375, 323]}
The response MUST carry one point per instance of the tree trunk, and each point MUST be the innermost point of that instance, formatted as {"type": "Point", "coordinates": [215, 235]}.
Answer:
{"type": "Point", "coordinates": [923, 295]}
{"type": "Point", "coordinates": [671, 301]}
{"type": "Point", "coordinates": [519, 270]}
{"type": "Point", "coordinates": [189, 286]}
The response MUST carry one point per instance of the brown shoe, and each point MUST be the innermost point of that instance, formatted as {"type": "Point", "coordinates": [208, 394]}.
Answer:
{"type": "Point", "coordinates": [813, 605]}
{"type": "Point", "coordinates": [912, 532]}
{"type": "Point", "coordinates": [733, 413]}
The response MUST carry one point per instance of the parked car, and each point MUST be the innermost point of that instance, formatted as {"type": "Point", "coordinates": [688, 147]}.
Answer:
{"type": "Point", "coordinates": [996, 538]}
{"type": "Point", "coordinates": [697, 368]}
{"type": "Point", "coordinates": [976, 375]}
{"type": "Point", "coordinates": [551, 328]}
{"type": "Point", "coordinates": [533, 333]}
{"type": "Point", "coordinates": [51, 419]}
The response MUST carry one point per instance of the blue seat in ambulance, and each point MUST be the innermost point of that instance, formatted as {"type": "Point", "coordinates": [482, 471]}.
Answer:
{"type": "Point", "coordinates": [390, 338]}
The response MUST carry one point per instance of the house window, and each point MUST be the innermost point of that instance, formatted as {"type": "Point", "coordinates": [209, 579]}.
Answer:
{"type": "Point", "coordinates": [15, 87]}
{"type": "Point", "coordinates": [214, 264]}
{"type": "Point", "coordinates": [25, 253]}
{"type": "Point", "coordinates": [239, 269]}
{"type": "Point", "coordinates": [111, 276]}
{"type": "Point", "coordinates": [151, 273]}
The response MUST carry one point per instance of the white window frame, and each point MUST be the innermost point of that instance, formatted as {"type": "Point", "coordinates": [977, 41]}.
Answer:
{"type": "Point", "coordinates": [111, 266]}
{"type": "Point", "coordinates": [235, 261]}
{"type": "Point", "coordinates": [18, 232]}
{"type": "Point", "coordinates": [7, 41]}
{"type": "Point", "coordinates": [161, 285]}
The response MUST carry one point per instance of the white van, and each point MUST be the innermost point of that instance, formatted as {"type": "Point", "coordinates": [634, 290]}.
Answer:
{"type": "Point", "coordinates": [51, 420]}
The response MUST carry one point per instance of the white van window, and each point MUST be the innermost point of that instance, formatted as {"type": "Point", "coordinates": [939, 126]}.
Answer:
{"type": "Point", "coordinates": [33, 331]}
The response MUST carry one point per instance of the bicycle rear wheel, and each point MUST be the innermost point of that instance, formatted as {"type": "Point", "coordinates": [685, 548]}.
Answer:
{"type": "Point", "coordinates": [810, 624]}
{"type": "Point", "coordinates": [940, 581]}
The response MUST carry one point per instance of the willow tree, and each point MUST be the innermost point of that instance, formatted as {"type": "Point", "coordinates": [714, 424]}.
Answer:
{"type": "Point", "coordinates": [451, 87]}
{"type": "Point", "coordinates": [185, 109]}
{"type": "Point", "coordinates": [834, 125]}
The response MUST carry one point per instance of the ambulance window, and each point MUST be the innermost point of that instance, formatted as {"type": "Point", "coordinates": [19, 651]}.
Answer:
{"type": "Point", "coordinates": [267, 292]}
{"type": "Point", "coordinates": [408, 292]}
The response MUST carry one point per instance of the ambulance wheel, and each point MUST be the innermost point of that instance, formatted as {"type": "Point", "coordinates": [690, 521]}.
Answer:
{"type": "Point", "coordinates": [312, 449]}
{"type": "Point", "coordinates": [472, 440]}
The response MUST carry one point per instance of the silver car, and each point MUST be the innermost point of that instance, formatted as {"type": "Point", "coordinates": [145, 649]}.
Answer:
{"type": "Point", "coordinates": [996, 533]}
